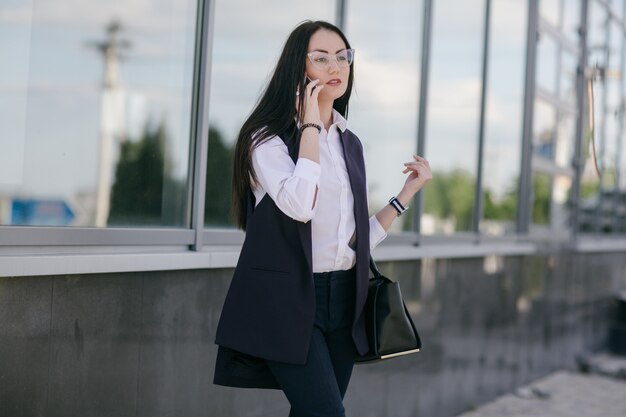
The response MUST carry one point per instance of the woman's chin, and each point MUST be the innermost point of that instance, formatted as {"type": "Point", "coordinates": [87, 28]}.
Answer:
{"type": "Point", "coordinates": [332, 95]}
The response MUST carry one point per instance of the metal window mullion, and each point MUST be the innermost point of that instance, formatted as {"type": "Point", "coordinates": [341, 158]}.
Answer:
{"type": "Point", "coordinates": [418, 199]}
{"type": "Point", "coordinates": [524, 203]}
{"type": "Point", "coordinates": [478, 198]}
{"type": "Point", "coordinates": [341, 14]}
{"type": "Point", "coordinates": [578, 163]}
{"type": "Point", "coordinates": [200, 126]}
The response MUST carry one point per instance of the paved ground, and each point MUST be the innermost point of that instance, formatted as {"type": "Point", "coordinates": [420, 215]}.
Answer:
{"type": "Point", "coordinates": [601, 393]}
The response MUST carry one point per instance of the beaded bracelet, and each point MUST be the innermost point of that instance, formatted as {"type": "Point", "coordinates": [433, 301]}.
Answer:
{"type": "Point", "coordinates": [304, 126]}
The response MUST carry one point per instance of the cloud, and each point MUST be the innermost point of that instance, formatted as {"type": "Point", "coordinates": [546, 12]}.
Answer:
{"type": "Point", "coordinates": [146, 15]}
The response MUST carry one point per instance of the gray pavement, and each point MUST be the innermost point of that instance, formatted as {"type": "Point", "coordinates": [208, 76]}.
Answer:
{"type": "Point", "coordinates": [601, 393]}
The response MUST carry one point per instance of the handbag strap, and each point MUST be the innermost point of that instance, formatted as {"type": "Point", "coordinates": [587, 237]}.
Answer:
{"type": "Point", "coordinates": [374, 268]}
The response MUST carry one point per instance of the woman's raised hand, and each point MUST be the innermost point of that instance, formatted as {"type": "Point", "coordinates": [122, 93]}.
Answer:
{"type": "Point", "coordinates": [311, 106]}
{"type": "Point", "coordinates": [420, 174]}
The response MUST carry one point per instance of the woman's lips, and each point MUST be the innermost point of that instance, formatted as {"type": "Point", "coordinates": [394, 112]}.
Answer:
{"type": "Point", "coordinates": [334, 82]}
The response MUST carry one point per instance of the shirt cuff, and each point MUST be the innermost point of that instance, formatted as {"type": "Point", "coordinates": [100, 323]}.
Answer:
{"type": "Point", "coordinates": [308, 170]}
{"type": "Point", "coordinates": [377, 232]}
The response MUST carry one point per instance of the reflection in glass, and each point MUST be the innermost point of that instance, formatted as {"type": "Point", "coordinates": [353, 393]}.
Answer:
{"type": "Point", "coordinates": [614, 71]}
{"type": "Point", "coordinates": [95, 112]}
{"type": "Point", "coordinates": [549, 10]}
{"type": "Point", "coordinates": [453, 113]}
{"type": "Point", "coordinates": [571, 19]}
{"type": "Point", "coordinates": [541, 198]}
{"type": "Point", "coordinates": [547, 53]}
{"type": "Point", "coordinates": [560, 212]}
{"type": "Point", "coordinates": [502, 142]}
{"type": "Point", "coordinates": [609, 150]}
{"type": "Point", "coordinates": [567, 88]}
{"type": "Point", "coordinates": [566, 136]}
{"type": "Point", "coordinates": [550, 200]}
{"type": "Point", "coordinates": [240, 66]}
{"type": "Point", "coordinates": [544, 131]}
{"type": "Point", "coordinates": [383, 112]}
{"type": "Point", "coordinates": [596, 35]}
{"type": "Point", "coordinates": [622, 138]}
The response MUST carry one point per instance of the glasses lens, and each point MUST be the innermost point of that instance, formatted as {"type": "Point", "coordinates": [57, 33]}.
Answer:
{"type": "Point", "coordinates": [344, 58]}
{"type": "Point", "coordinates": [323, 60]}
{"type": "Point", "coordinates": [319, 59]}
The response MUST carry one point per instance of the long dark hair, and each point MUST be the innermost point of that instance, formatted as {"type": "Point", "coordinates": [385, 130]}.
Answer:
{"type": "Point", "coordinates": [274, 112]}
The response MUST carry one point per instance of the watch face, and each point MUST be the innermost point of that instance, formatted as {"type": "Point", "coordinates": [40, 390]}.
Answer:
{"type": "Point", "coordinates": [396, 204]}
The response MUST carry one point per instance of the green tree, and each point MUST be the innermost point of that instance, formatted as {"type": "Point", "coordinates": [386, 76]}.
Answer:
{"type": "Point", "coordinates": [541, 198]}
{"type": "Point", "coordinates": [505, 208]}
{"type": "Point", "coordinates": [451, 195]}
{"type": "Point", "coordinates": [219, 181]}
{"type": "Point", "coordinates": [137, 193]}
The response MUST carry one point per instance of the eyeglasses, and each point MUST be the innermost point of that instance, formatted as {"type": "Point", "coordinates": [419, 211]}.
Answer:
{"type": "Point", "coordinates": [322, 60]}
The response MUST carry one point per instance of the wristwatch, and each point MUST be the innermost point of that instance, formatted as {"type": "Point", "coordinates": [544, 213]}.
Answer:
{"type": "Point", "coordinates": [395, 203]}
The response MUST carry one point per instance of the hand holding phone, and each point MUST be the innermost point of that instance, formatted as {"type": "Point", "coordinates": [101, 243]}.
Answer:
{"type": "Point", "coordinates": [311, 107]}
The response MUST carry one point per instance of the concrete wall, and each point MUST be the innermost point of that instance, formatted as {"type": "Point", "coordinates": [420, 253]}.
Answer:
{"type": "Point", "coordinates": [141, 344]}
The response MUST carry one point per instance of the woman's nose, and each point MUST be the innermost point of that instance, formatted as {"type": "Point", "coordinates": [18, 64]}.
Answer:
{"type": "Point", "coordinates": [333, 66]}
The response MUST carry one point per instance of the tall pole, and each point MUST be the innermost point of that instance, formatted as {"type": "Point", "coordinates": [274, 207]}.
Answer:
{"type": "Point", "coordinates": [109, 117]}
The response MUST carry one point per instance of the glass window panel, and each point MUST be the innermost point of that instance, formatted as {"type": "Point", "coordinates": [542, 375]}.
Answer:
{"type": "Point", "coordinates": [571, 19]}
{"type": "Point", "coordinates": [453, 112]}
{"type": "Point", "coordinates": [614, 95]}
{"type": "Point", "coordinates": [596, 36]}
{"type": "Point", "coordinates": [245, 50]}
{"type": "Point", "coordinates": [566, 136]}
{"type": "Point", "coordinates": [550, 10]}
{"type": "Point", "coordinates": [95, 112]}
{"type": "Point", "coordinates": [567, 89]}
{"type": "Point", "coordinates": [502, 142]}
{"type": "Point", "coordinates": [547, 53]}
{"type": "Point", "coordinates": [384, 112]}
{"type": "Point", "coordinates": [617, 6]}
{"type": "Point", "coordinates": [544, 129]}
{"type": "Point", "coordinates": [598, 112]}
{"type": "Point", "coordinates": [541, 196]}
{"type": "Point", "coordinates": [560, 212]}
{"type": "Point", "coordinates": [550, 197]}
{"type": "Point", "coordinates": [622, 141]}
{"type": "Point", "coordinates": [607, 112]}
{"type": "Point", "coordinates": [589, 189]}
{"type": "Point", "coordinates": [608, 150]}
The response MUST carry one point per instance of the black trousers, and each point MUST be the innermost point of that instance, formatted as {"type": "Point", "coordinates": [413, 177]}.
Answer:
{"type": "Point", "coordinates": [317, 388]}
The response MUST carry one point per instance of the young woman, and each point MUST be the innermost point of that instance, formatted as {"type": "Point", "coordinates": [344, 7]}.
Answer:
{"type": "Point", "coordinates": [293, 316]}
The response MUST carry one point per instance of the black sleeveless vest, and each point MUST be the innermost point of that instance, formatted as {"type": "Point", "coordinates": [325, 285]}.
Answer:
{"type": "Point", "coordinates": [270, 306]}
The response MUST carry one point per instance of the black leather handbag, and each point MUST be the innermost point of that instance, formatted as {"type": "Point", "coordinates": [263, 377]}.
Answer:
{"type": "Point", "coordinates": [390, 330]}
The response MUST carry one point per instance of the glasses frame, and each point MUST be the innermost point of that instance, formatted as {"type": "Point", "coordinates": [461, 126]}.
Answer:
{"type": "Point", "coordinates": [331, 57]}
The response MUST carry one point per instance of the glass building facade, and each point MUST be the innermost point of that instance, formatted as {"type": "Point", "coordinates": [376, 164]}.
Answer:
{"type": "Point", "coordinates": [117, 125]}
{"type": "Point", "coordinates": [117, 120]}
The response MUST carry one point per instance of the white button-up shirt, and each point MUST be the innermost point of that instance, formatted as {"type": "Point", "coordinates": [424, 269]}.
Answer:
{"type": "Point", "coordinates": [292, 187]}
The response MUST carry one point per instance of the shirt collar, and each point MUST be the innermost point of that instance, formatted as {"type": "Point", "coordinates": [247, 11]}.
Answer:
{"type": "Point", "coordinates": [341, 122]}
